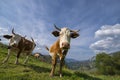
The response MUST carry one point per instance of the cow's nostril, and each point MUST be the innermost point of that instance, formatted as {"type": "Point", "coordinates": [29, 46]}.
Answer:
{"type": "Point", "coordinates": [68, 45]}
{"type": "Point", "coordinates": [65, 45]}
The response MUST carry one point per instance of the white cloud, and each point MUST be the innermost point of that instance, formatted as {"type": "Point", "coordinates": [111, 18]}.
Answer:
{"type": "Point", "coordinates": [108, 31]}
{"type": "Point", "coordinates": [3, 30]}
{"type": "Point", "coordinates": [109, 39]}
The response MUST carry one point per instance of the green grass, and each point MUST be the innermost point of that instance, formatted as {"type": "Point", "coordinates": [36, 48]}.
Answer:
{"type": "Point", "coordinates": [37, 70]}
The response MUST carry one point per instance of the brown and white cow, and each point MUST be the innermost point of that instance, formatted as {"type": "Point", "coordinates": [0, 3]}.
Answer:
{"type": "Point", "coordinates": [61, 46]}
{"type": "Point", "coordinates": [21, 44]}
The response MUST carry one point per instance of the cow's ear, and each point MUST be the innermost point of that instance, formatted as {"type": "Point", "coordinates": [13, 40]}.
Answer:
{"type": "Point", "coordinates": [7, 36]}
{"type": "Point", "coordinates": [74, 35]}
{"type": "Point", "coordinates": [55, 33]}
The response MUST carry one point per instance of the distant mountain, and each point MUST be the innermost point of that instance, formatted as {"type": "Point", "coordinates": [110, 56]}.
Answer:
{"type": "Point", "coordinates": [117, 52]}
{"type": "Point", "coordinates": [70, 63]}
{"type": "Point", "coordinates": [68, 60]}
{"type": "Point", "coordinates": [74, 64]}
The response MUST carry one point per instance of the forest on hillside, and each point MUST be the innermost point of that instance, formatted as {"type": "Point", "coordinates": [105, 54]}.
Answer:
{"type": "Point", "coordinates": [108, 64]}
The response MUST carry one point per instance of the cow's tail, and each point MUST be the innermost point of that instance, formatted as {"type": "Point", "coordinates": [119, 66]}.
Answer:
{"type": "Point", "coordinates": [47, 48]}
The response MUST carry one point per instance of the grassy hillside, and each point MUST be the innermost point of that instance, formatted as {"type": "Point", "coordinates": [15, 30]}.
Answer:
{"type": "Point", "coordinates": [37, 70]}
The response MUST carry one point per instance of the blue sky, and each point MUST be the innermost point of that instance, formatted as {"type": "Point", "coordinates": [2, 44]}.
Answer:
{"type": "Point", "coordinates": [97, 20]}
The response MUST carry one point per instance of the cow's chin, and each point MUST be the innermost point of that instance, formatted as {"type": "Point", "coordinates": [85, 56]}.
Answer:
{"type": "Point", "coordinates": [65, 48]}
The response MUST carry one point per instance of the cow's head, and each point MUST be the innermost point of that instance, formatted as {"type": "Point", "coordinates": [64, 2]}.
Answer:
{"type": "Point", "coordinates": [14, 38]}
{"type": "Point", "coordinates": [65, 35]}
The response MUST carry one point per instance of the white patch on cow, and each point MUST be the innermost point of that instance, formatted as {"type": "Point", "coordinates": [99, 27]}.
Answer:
{"type": "Point", "coordinates": [64, 36]}
{"type": "Point", "coordinates": [15, 39]}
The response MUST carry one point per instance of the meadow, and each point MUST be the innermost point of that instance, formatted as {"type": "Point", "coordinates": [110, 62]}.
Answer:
{"type": "Point", "coordinates": [38, 70]}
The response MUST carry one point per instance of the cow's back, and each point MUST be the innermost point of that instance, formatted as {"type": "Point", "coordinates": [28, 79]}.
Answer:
{"type": "Point", "coordinates": [28, 45]}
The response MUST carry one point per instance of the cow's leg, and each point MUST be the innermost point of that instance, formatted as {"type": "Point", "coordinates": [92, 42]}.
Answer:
{"type": "Point", "coordinates": [26, 60]}
{"type": "Point", "coordinates": [17, 57]}
{"type": "Point", "coordinates": [61, 64]}
{"type": "Point", "coordinates": [62, 57]}
{"type": "Point", "coordinates": [54, 61]}
{"type": "Point", "coordinates": [6, 59]}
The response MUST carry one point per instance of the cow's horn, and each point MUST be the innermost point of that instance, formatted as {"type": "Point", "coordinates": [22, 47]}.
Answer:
{"type": "Point", "coordinates": [13, 31]}
{"type": "Point", "coordinates": [57, 27]}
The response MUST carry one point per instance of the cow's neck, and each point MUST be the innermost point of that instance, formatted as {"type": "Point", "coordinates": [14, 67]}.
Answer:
{"type": "Point", "coordinates": [58, 43]}
{"type": "Point", "coordinates": [64, 51]}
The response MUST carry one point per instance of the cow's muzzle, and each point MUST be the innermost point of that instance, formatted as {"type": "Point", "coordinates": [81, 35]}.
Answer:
{"type": "Point", "coordinates": [65, 45]}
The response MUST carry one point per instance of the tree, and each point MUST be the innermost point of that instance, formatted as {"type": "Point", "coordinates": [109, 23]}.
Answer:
{"type": "Point", "coordinates": [104, 64]}
{"type": "Point", "coordinates": [116, 59]}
